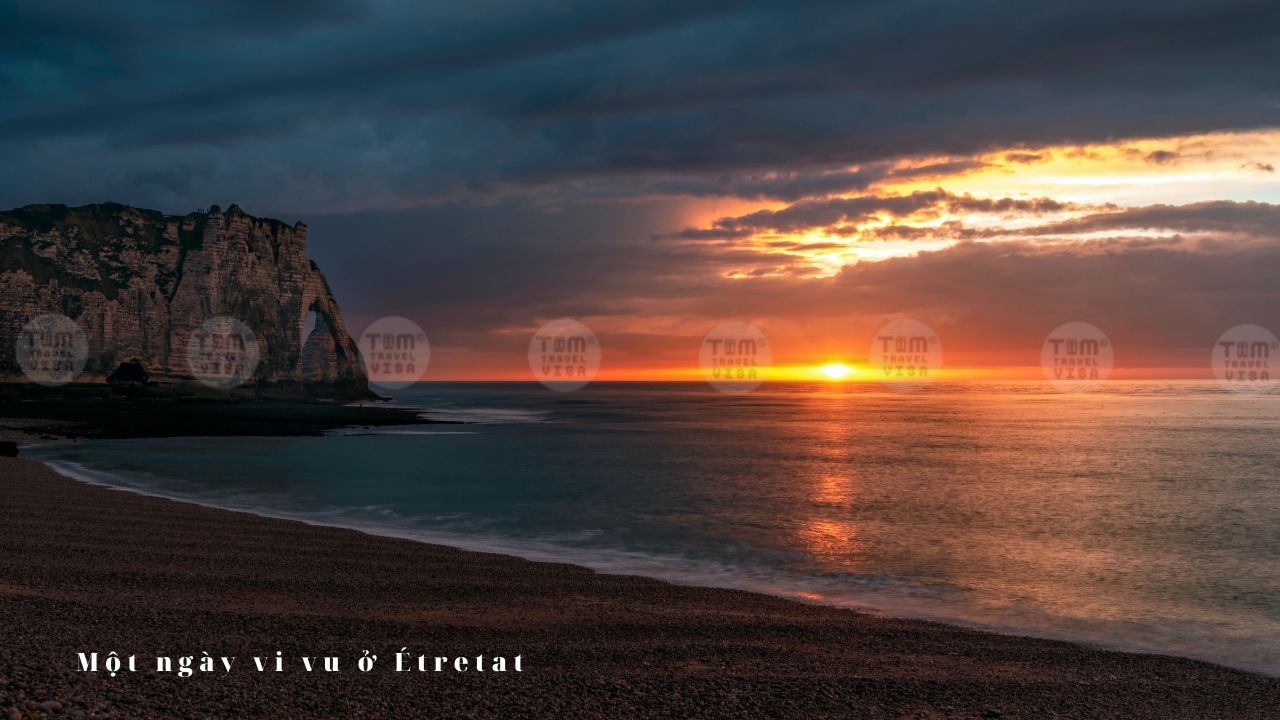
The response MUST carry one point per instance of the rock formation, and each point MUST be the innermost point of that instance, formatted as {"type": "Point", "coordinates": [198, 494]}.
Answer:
{"type": "Point", "coordinates": [139, 283]}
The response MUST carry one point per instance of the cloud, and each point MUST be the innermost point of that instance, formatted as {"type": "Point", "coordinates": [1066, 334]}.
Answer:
{"type": "Point", "coordinates": [789, 185]}
{"type": "Point", "coordinates": [486, 166]}
{"type": "Point", "coordinates": [329, 105]}
{"type": "Point", "coordinates": [1025, 158]}
{"type": "Point", "coordinates": [480, 279]}
{"type": "Point", "coordinates": [840, 216]}
{"type": "Point", "coordinates": [1162, 157]}
{"type": "Point", "coordinates": [997, 297]}
{"type": "Point", "coordinates": [1223, 217]}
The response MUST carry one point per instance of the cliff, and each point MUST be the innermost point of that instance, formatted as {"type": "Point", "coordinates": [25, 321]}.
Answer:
{"type": "Point", "coordinates": [139, 282]}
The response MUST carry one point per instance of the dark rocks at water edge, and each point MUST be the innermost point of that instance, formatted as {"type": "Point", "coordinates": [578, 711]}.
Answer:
{"type": "Point", "coordinates": [105, 411]}
{"type": "Point", "coordinates": [8, 448]}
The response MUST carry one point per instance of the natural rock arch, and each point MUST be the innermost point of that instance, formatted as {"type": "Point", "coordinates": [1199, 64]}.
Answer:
{"type": "Point", "coordinates": [139, 283]}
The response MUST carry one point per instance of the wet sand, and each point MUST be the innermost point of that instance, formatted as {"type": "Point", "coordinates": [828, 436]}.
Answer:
{"type": "Point", "coordinates": [86, 568]}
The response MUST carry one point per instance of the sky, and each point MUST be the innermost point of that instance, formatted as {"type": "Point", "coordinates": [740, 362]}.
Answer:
{"type": "Point", "coordinates": [816, 169]}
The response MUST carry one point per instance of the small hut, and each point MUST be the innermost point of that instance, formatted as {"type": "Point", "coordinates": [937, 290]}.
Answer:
{"type": "Point", "coordinates": [130, 372]}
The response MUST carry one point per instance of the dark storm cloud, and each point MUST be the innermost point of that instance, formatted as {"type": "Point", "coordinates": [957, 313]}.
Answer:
{"type": "Point", "coordinates": [473, 270]}
{"type": "Point", "coordinates": [788, 185]}
{"type": "Point", "coordinates": [311, 106]}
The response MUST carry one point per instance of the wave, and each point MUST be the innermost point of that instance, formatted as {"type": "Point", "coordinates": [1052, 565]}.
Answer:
{"type": "Point", "coordinates": [484, 416]}
{"type": "Point", "coordinates": [406, 431]}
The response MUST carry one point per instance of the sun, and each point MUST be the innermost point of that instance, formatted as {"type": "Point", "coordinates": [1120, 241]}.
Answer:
{"type": "Point", "coordinates": [835, 371]}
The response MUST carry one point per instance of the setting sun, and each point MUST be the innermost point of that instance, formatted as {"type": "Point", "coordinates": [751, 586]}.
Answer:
{"type": "Point", "coordinates": [835, 371]}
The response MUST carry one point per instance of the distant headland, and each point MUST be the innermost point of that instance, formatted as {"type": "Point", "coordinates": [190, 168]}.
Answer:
{"type": "Point", "coordinates": [140, 283]}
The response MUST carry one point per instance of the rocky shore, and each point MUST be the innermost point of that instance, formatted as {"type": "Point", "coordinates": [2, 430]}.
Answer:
{"type": "Point", "coordinates": [31, 413]}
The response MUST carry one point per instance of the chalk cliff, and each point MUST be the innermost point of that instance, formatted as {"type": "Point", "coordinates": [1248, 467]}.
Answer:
{"type": "Point", "coordinates": [140, 282]}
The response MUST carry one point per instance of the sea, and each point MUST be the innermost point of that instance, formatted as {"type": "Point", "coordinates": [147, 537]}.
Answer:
{"type": "Point", "coordinates": [1142, 516]}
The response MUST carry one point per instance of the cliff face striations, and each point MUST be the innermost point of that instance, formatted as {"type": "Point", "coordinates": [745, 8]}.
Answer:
{"type": "Point", "coordinates": [139, 283]}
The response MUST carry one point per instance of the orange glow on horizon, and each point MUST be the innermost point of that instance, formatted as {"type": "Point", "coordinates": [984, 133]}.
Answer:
{"type": "Point", "coordinates": [836, 371]}
{"type": "Point", "coordinates": [858, 374]}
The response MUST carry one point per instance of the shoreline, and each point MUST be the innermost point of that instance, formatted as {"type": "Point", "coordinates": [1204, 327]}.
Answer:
{"type": "Point", "coordinates": [711, 645]}
{"type": "Point", "coordinates": [691, 577]}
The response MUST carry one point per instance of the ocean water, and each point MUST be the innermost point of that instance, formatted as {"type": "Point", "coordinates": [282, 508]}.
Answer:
{"type": "Point", "coordinates": [1144, 516]}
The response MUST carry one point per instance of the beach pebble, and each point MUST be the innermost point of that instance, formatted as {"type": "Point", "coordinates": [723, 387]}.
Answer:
{"type": "Point", "coordinates": [595, 645]}
{"type": "Point", "coordinates": [51, 706]}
